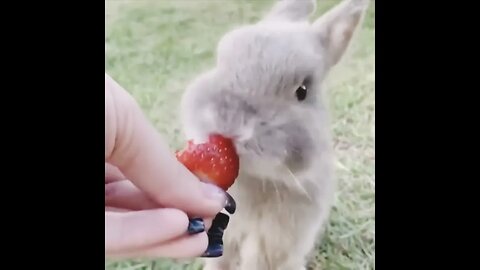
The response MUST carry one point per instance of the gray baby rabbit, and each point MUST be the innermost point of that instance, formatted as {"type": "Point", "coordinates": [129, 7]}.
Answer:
{"type": "Point", "coordinates": [266, 93]}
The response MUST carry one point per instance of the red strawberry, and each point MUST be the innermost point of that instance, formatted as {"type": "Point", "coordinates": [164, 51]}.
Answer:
{"type": "Point", "coordinates": [215, 161]}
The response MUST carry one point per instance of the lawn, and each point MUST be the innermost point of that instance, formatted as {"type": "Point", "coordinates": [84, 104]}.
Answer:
{"type": "Point", "coordinates": [155, 47]}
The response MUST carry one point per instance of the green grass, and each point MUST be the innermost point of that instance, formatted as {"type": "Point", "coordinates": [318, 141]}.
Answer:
{"type": "Point", "coordinates": [154, 48]}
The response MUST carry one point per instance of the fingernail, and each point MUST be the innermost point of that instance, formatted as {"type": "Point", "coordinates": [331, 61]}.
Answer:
{"type": "Point", "coordinates": [214, 249]}
{"type": "Point", "coordinates": [220, 222]}
{"type": "Point", "coordinates": [195, 226]}
{"type": "Point", "coordinates": [215, 235]}
{"type": "Point", "coordinates": [215, 193]}
{"type": "Point", "coordinates": [231, 205]}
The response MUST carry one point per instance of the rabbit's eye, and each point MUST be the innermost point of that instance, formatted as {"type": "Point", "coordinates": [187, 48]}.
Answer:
{"type": "Point", "coordinates": [301, 93]}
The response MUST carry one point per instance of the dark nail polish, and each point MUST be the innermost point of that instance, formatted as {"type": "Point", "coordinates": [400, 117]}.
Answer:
{"type": "Point", "coordinates": [231, 205]}
{"type": "Point", "coordinates": [215, 235]}
{"type": "Point", "coordinates": [219, 224]}
{"type": "Point", "coordinates": [215, 249]}
{"type": "Point", "coordinates": [220, 221]}
{"type": "Point", "coordinates": [195, 226]}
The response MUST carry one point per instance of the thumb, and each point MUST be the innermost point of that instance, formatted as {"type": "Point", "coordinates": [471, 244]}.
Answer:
{"type": "Point", "coordinates": [134, 146]}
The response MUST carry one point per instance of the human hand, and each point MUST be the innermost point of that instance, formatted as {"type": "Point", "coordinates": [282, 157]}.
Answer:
{"type": "Point", "coordinates": [148, 214]}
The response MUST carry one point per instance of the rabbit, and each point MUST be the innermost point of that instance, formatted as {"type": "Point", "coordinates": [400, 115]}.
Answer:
{"type": "Point", "coordinates": [265, 92]}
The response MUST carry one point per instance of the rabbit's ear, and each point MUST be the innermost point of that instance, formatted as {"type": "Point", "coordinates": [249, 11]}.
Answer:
{"type": "Point", "coordinates": [336, 27]}
{"type": "Point", "coordinates": [291, 10]}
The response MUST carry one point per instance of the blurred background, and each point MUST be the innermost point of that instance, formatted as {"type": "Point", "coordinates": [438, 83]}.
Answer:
{"type": "Point", "coordinates": [155, 47]}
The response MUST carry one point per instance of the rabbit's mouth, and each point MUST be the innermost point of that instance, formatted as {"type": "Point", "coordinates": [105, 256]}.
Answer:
{"type": "Point", "coordinates": [288, 146]}
{"type": "Point", "coordinates": [253, 151]}
{"type": "Point", "coordinates": [260, 166]}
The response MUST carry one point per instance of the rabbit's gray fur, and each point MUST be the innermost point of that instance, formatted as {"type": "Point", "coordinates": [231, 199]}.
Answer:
{"type": "Point", "coordinates": [286, 185]}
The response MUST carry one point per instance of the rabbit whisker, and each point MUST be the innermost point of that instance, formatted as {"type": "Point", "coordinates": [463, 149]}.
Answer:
{"type": "Point", "coordinates": [278, 193]}
{"type": "Point", "coordinates": [297, 182]}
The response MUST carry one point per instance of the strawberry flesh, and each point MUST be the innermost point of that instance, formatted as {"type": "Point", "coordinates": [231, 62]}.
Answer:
{"type": "Point", "coordinates": [214, 161]}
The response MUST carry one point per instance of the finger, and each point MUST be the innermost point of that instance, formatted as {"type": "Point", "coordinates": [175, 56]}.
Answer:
{"type": "Point", "coordinates": [135, 147]}
{"type": "Point", "coordinates": [138, 229]}
{"type": "Point", "coordinates": [114, 209]}
{"type": "Point", "coordinates": [124, 194]}
{"type": "Point", "coordinates": [185, 247]}
{"type": "Point", "coordinates": [112, 173]}
{"type": "Point", "coordinates": [208, 223]}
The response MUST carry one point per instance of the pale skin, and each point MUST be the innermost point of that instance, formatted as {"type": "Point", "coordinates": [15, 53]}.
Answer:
{"type": "Point", "coordinates": [149, 195]}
